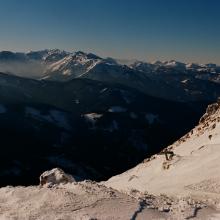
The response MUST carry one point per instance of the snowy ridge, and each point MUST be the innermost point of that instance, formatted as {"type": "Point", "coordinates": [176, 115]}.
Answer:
{"type": "Point", "coordinates": [74, 65]}
{"type": "Point", "coordinates": [63, 198]}
{"type": "Point", "coordinates": [175, 65]}
{"type": "Point", "coordinates": [188, 167]}
{"type": "Point", "coordinates": [78, 63]}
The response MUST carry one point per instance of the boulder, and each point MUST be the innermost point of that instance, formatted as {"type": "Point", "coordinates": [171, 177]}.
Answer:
{"type": "Point", "coordinates": [54, 177]}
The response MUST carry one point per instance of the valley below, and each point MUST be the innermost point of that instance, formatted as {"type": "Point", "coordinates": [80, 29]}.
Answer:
{"type": "Point", "coordinates": [138, 141]}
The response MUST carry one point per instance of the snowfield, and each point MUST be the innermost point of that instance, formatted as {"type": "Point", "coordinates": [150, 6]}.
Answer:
{"type": "Point", "coordinates": [92, 117]}
{"type": "Point", "coordinates": [92, 201]}
{"type": "Point", "coordinates": [85, 200]}
{"type": "Point", "coordinates": [89, 201]}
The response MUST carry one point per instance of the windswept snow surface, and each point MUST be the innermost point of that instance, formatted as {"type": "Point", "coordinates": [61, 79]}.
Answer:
{"type": "Point", "coordinates": [75, 201]}
{"type": "Point", "coordinates": [91, 201]}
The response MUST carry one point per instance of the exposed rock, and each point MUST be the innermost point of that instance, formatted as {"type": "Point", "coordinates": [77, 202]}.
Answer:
{"type": "Point", "coordinates": [211, 109]}
{"type": "Point", "coordinates": [55, 176]}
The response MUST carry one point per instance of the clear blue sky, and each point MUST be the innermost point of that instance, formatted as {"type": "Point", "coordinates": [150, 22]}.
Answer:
{"type": "Point", "coordinates": [185, 30]}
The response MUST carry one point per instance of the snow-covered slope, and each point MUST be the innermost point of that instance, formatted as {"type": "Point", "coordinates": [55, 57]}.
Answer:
{"type": "Point", "coordinates": [61, 197]}
{"type": "Point", "coordinates": [92, 201]}
{"type": "Point", "coordinates": [78, 201]}
{"type": "Point", "coordinates": [71, 66]}
{"type": "Point", "coordinates": [188, 167]}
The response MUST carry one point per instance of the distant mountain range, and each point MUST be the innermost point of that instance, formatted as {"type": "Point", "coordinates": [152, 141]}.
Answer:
{"type": "Point", "coordinates": [169, 80]}
{"type": "Point", "coordinates": [92, 116]}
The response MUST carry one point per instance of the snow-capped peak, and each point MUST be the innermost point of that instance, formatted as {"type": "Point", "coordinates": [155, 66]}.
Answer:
{"type": "Point", "coordinates": [72, 65]}
{"type": "Point", "coordinates": [174, 63]}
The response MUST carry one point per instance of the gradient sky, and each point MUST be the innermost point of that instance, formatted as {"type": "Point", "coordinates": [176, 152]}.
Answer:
{"type": "Point", "coordinates": [185, 30]}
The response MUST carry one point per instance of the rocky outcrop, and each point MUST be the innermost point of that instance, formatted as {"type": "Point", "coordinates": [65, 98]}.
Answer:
{"type": "Point", "coordinates": [54, 177]}
{"type": "Point", "coordinates": [211, 109]}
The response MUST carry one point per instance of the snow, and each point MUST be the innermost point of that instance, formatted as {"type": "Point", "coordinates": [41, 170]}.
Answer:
{"type": "Point", "coordinates": [117, 109]}
{"type": "Point", "coordinates": [61, 65]}
{"type": "Point", "coordinates": [2, 109]}
{"type": "Point", "coordinates": [185, 81]}
{"type": "Point", "coordinates": [67, 72]}
{"type": "Point", "coordinates": [72, 65]}
{"type": "Point", "coordinates": [192, 170]}
{"type": "Point", "coordinates": [88, 200]}
{"type": "Point", "coordinates": [182, 182]}
{"type": "Point", "coordinates": [92, 117]}
{"type": "Point", "coordinates": [174, 63]}
{"type": "Point", "coordinates": [185, 185]}
{"type": "Point", "coordinates": [92, 66]}
{"type": "Point", "coordinates": [103, 90]}
{"type": "Point", "coordinates": [84, 200]}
